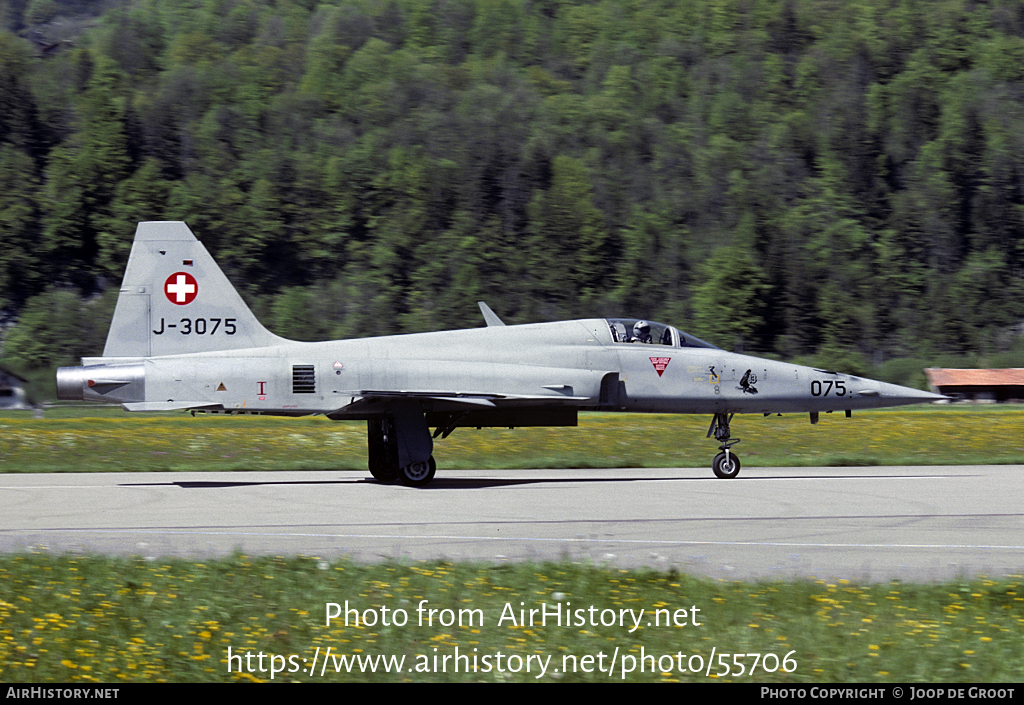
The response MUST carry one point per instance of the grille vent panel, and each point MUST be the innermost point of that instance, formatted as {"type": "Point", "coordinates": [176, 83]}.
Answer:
{"type": "Point", "coordinates": [303, 379]}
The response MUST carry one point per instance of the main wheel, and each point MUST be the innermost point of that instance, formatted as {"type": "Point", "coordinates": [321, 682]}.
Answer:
{"type": "Point", "coordinates": [418, 474]}
{"type": "Point", "coordinates": [726, 466]}
{"type": "Point", "coordinates": [384, 474]}
{"type": "Point", "coordinates": [383, 450]}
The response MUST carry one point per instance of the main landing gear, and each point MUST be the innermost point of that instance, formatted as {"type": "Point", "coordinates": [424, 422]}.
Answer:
{"type": "Point", "coordinates": [725, 465]}
{"type": "Point", "coordinates": [419, 473]}
{"type": "Point", "coordinates": [385, 459]}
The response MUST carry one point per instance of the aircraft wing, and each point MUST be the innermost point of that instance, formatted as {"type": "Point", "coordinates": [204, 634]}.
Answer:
{"type": "Point", "coordinates": [171, 406]}
{"type": "Point", "coordinates": [366, 400]}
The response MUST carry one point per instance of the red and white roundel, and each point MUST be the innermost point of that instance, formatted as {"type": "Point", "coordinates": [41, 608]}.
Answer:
{"type": "Point", "coordinates": [181, 288]}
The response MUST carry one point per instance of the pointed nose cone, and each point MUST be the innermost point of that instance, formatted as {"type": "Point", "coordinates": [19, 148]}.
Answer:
{"type": "Point", "coordinates": [885, 394]}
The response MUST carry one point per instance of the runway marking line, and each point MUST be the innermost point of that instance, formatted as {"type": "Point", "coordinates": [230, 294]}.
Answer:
{"type": "Point", "coordinates": [436, 537]}
{"type": "Point", "coordinates": [257, 483]}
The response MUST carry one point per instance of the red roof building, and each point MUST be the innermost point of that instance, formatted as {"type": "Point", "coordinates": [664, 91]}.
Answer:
{"type": "Point", "coordinates": [978, 385]}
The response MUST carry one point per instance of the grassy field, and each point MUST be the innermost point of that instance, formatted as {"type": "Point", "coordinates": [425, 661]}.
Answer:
{"type": "Point", "coordinates": [108, 439]}
{"type": "Point", "coordinates": [79, 619]}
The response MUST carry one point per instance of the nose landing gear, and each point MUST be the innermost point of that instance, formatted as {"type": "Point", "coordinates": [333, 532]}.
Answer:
{"type": "Point", "coordinates": [726, 464]}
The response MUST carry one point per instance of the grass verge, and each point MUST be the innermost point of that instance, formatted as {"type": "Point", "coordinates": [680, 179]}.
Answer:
{"type": "Point", "coordinates": [75, 619]}
{"type": "Point", "coordinates": [109, 440]}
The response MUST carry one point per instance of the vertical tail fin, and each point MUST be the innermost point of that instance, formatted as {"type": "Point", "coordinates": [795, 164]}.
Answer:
{"type": "Point", "coordinates": [175, 299]}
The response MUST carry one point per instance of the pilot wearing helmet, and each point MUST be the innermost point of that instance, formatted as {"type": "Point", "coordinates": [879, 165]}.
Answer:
{"type": "Point", "coordinates": [641, 333]}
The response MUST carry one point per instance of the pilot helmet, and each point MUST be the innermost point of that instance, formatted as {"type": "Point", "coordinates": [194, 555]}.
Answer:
{"type": "Point", "coordinates": [641, 329]}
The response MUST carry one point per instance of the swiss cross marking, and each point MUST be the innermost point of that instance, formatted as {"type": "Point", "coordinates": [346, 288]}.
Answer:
{"type": "Point", "coordinates": [660, 363]}
{"type": "Point", "coordinates": [181, 288]}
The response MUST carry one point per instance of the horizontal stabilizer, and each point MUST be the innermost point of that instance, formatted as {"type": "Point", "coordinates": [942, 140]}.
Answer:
{"type": "Point", "coordinates": [102, 386]}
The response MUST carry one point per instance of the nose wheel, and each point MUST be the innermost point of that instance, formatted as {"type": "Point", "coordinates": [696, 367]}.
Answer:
{"type": "Point", "coordinates": [726, 464]}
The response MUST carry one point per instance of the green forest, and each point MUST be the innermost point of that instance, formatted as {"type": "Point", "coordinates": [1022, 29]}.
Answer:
{"type": "Point", "coordinates": [801, 178]}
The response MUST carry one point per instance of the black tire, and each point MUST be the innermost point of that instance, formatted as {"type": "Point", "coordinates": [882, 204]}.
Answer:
{"type": "Point", "coordinates": [384, 474]}
{"type": "Point", "coordinates": [383, 450]}
{"type": "Point", "coordinates": [726, 467]}
{"type": "Point", "coordinates": [418, 474]}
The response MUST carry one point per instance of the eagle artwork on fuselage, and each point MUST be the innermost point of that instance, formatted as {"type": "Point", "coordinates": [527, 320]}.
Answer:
{"type": "Point", "coordinates": [182, 338]}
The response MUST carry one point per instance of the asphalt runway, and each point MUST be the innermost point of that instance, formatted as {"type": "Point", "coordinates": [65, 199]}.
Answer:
{"type": "Point", "coordinates": [911, 523]}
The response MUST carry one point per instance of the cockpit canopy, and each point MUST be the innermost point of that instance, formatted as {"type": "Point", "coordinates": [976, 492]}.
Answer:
{"type": "Point", "coordinates": [642, 331]}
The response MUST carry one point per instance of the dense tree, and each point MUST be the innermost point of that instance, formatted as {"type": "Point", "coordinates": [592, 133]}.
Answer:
{"type": "Point", "coordinates": [56, 328]}
{"type": "Point", "coordinates": [729, 302]}
{"type": "Point", "coordinates": [800, 177]}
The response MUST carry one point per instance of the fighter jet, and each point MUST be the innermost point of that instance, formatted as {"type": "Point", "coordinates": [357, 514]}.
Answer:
{"type": "Point", "coordinates": [182, 338]}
